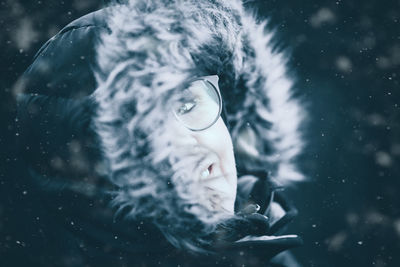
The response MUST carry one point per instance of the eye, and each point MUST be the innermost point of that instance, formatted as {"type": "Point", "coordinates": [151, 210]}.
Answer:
{"type": "Point", "coordinates": [186, 108]}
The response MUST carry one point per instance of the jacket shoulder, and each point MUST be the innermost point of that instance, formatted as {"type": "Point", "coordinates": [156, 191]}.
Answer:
{"type": "Point", "coordinates": [94, 19]}
{"type": "Point", "coordinates": [62, 66]}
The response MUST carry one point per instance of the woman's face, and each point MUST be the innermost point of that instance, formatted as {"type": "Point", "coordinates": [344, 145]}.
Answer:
{"type": "Point", "coordinates": [217, 172]}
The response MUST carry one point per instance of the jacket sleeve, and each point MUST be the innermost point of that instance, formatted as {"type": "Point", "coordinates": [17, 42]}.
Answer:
{"type": "Point", "coordinates": [60, 67]}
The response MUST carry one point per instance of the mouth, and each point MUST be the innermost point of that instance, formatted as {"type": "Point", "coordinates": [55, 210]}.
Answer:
{"type": "Point", "coordinates": [207, 167]}
{"type": "Point", "coordinates": [207, 172]}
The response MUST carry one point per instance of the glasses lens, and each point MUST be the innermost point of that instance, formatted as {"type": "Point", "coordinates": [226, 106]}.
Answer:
{"type": "Point", "coordinates": [200, 106]}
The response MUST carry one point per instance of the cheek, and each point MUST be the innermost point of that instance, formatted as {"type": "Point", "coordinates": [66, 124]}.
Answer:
{"type": "Point", "coordinates": [223, 141]}
{"type": "Point", "coordinates": [218, 139]}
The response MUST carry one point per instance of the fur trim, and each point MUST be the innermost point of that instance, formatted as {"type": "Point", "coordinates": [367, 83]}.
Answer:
{"type": "Point", "coordinates": [154, 48]}
{"type": "Point", "coordinates": [268, 124]}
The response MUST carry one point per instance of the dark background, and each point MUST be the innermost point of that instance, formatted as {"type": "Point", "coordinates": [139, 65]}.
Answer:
{"type": "Point", "coordinates": [346, 57]}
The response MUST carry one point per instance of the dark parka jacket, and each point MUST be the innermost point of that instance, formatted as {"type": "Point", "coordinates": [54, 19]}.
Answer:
{"type": "Point", "coordinates": [80, 211]}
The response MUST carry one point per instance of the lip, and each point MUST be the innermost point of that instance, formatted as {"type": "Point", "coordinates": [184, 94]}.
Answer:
{"type": "Point", "coordinates": [213, 175]}
{"type": "Point", "coordinates": [206, 161]}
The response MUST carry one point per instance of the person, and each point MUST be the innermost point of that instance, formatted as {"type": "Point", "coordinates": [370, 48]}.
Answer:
{"type": "Point", "coordinates": [158, 133]}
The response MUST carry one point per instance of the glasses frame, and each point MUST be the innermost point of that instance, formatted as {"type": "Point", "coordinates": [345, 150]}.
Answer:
{"type": "Point", "coordinates": [213, 81]}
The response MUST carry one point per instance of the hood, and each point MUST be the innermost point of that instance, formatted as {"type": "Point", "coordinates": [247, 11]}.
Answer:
{"type": "Point", "coordinates": [153, 49]}
{"type": "Point", "coordinates": [94, 104]}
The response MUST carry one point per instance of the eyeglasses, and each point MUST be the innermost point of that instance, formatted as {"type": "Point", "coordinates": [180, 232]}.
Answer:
{"type": "Point", "coordinates": [200, 104]}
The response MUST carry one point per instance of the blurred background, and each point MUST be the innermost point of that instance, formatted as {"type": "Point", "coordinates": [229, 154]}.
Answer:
{"type": "Point", "coordinates": [345, 56]}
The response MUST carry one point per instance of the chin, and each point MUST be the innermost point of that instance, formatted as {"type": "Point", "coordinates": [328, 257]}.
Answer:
{"type": "Point", "coordinates": [228, 206]}
{"type": "Point", "coordinates": [221, 194]}
{"type": "Point", "coordinates": [221, 204]}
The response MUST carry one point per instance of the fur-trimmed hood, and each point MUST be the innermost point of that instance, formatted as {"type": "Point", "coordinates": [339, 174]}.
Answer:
{"type": "Point", "coordinates": [141, 54]}
{"type": "Point", "coordinates": [153, 48]}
